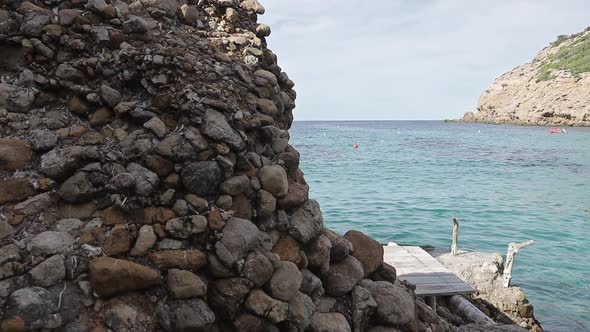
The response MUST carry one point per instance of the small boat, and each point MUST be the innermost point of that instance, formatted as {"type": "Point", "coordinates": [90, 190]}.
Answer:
{"type": "Point", "coordinates": [556, 131]}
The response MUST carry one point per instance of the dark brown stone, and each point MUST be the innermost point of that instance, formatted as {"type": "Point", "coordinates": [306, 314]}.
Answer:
{"type": "Point", "coordinates": [110, 276]}
{"type": "Point", "coordinates": [15, 190]}
{"type": "Point", "coordinates": [178, 259]}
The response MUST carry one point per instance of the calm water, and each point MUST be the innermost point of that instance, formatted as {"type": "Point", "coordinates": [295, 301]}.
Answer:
{"type": "Point", "coordinates": [504, 183]}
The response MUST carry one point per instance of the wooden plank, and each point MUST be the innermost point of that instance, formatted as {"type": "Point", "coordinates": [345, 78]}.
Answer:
{"type": "Point", "coordinates": [431, 278]}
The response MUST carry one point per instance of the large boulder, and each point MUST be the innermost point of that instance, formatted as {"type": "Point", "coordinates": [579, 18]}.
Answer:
{"type": "Point", "coordinates": [110, 276]}
{"type": "Point", "coordinates": [343, 276]}
{"type": "Point", "coordinates": [259, 303]}
{"type": "Point", "coordinates": [238, 238]}
{"type": "Point", "coordinates": [329, 322]}
{"type": "Point", "coordinates": [285, 281]}
{"type": "Point", "coordinates": [202, 178]}
{"type": "Point", "coordinates": [306, 222]}
{"type": "Point", "coordinates": [368, 251]}
{"type": "Point", "coordinates": [395, 306]}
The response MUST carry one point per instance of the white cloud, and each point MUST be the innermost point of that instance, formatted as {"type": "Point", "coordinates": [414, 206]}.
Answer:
{"type": "Point", "coordinates": [408, 59]}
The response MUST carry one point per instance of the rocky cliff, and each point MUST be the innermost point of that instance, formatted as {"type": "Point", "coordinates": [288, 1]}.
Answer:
{"type": "Point", "coordinates": [147, 182]}
{"type": "Point", "coordinates": [554, 89]}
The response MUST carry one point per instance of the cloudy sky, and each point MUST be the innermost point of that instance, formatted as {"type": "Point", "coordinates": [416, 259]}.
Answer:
{"type": "Point", "coordinates": [408, 59]}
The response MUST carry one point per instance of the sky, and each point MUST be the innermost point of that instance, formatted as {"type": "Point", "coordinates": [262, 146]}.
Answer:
{"type": "Point", "coordinates": [408, 59]}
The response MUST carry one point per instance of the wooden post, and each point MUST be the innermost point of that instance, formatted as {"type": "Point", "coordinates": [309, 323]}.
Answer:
{"type": "Point", "coordinates": [455, 244]}
{"type": "Point", "coordinates": [431, 302]}
{"type": "Point", "coordinates": [512, 250]}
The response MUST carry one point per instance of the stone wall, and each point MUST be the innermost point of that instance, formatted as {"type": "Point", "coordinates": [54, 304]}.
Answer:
{"type": "Point", "coordinates": [147, 182]}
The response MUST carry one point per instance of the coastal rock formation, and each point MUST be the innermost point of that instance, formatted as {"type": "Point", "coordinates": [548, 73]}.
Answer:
{"type": "Point", "coordinates": [147, 182]}
{"type": "Point", "coordinates": [553, 89]}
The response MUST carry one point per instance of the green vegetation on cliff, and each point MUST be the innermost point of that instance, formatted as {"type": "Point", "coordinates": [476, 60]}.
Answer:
{"type": "Point", "coordinates": [573, 57]}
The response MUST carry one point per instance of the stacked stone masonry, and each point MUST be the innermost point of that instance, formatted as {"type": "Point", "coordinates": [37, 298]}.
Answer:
{"type": "Point", "coordinates": [147, 182]}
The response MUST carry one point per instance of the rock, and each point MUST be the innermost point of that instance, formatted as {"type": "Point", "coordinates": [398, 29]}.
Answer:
{"type": "Point", "coordinates": [110, 276]}
{"type": "Point", "coordinates": [285, 281]}
{"type": "Point", "coordinates": [226, 295]}
{"type": "Point", "coordinates": [341, 247]}
{"type": "Point", "coordinates": [185, 227]}
{"type": "Point", "coordinates": [239, 237]}
{"type": "Point", "coordinates": [267, 107]}
{"type": "Point", "coordinates": [77, 211]}
{"type": "Point", "coordinates": [297, 195]}
{"type": "Point", "coordinates": [311, 285]}
{"type": "Point", "coordinates": [363, 306]}
{"type": "Point", "coordinates": [50, 243]}
{"type": "Point", "coordinates": [235, 185]}
{"type": "Point", "coordinates": [34, 22]}
{"type": "Point", "coordinates": [200, 204]}
{"type": "Point", "coordinates": [15, 190]}
{"type": "Point", "coordinates": [135, 24]}
{"type": "Point", "coordinates": [395, 306]}
{"type": "Point", "coordinates": [145, 241]}
{"type": "Point", "coordinates": [306, 222]}
{"type": "Point", "coordinates": [156, 126]}
{"type": "Point", "coordinates": [289, 249]}
{"type": "Point", "coordinates": [191, 315]}
{"type": "Point", "coordinates": [69, 225]}
{"type": "Point", "coordinates": [179, 259]}
{"type": "Point", "coordinates": [253, 6]}
{"type": "Point", "coordinates": [118, 241]}
{"type": "Point", "coordinates": [250, 323]}
{"type": "Point", "coordinates": [110, 96]}
{"type": "Point", "coordinates": [267, 203]}
{"type": "Point", "coordinates": [79, 188]}
{"type": "Point", "coordinates": [9, 253]}
{"type": "Point", "coordinates": [385, 273]}
{"type": "Point", "coordinates": [130, 312]}
{"type": "Point", "coordinates": [34, 204]}
{"type": "Point", "coordinates": [302, 309]}
{"type": "Point", "coordinates": [274, 180]}
{"type": "Point", "coordinates": [78, 105]}
{"type": "Point", "coordinates": [146, 181]}
{"type": "Point", "coordinates": [318, 254]}
{"type": "Point", "coordinates": [67, 16]}
{"type": "Point", "coordinates": [43, 140]}
{"type": "Point", "coordinates": [202, 178]}
{"type": "Point", "coordinates": [343, 276]}
{"type": "Point", "coordinates": [217, 128]}
{"type": "Point", "coordinates": [265, 78]}
{"type": "Point", "coordinates": [185, 284]}
{"type": "Point", "coordinates": [366, 250]}
{"type": "Point", "coordinates": [263, 30]}
{"type": "Point", "coordinates": [14, 154]}
{"type": "Point", "coordinates": [329, 322]}
{"type": "Point", "coordinates": [60, 163]}
{"type": "Point", "coordinates": [69, 73]}
{"type": "Point", "coordinates": [258, 270]}
{"type": "Point", "coordinates": [259, 303]}
{"type": "Point", "coordinates": [101, 117]}
{"type": "Point", "coordinates": [34, 307]}
{"type": "Point", "coordinates": [49, 272]}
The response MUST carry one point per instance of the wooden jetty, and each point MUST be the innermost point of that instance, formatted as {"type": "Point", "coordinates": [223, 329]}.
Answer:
{"type": "Point", "coordinates": [431, 278]}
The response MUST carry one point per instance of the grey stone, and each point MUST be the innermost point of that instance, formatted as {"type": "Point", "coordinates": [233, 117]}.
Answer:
{"type": "Point", "coordinates": [177, 148]}
{"type": "Point", "coordinates": [49, 243]}
{"type": "Point", "coordinates": [35, 204]}
{"type": "Point", "coordinates": [343, 276]}
{"type": "Point", "coordinates": [181, 207]}
{"type": "Point", "coordinates": [217, 127]}
{"type": "Point", "coordinates": [33, 23]}
{"type": "Point", "coordinates": [259, 303]}
{"type": "Point", "coordinates": [258, 270]}
{"type": "Point", "coordinates": [69, 225]}
{"type": "Point", "coordinates": [111, 96]}
{"type": "Point", "coordinates": [5, 229]}
{"type": "Point", "coordinates": [43, 140]}
{"type": "Point", "coordinates": [122, 182]}
{"type": "Point", "coordinates": [267, 203]}
{"type": "Point", "coordinates": [185, 227]}
{"type": "Point", "coordinates": [49, 272]}
{"type": "Point", "coordinates": [274, 180]}
{"type": "Point", "coordinates": [35, 306]}
{"type": "Point", "coordinates": [311, 285]}
{"type": "Point", "coordinates": [136, 24]}
{"type": "Point", "coordinates": [306, 222]}
{"type": "Point", "coordinates": [79, 188]}
{"type": "Point", "coordinates": [9, 253]}
{"type": "Point", "coordinates": [227, 295]}
{"type": "Point", "coordinates": [185, 284]}
{"type": "Point", "coordinates": [202, 178]}
{"type": "Point", "coordinates": [145, 241]}
{"type": "Point", "coordinates": [156, 126]}
{"type": "Point", "coordinates": [146, 181]}
{"type": "Point", "coordinates": [235, 185]}
{"type": "Point", "coordinates": [170, 244]}
{"type": "Point", "coordinates": [62, 162]}
{"type": "Point", "coordinates": [318, 254]}
{"type": "Point", "coordinates": [329, 322]}
{"type": "Point", "coordinates": [363, 306]}
{"type": "Point", "coordinates": [239, 237]}
{"type": "Point", "coordinates": [285, 281]}
{"type": "Point", "coordinates": [395, 306]}
{"type": "Point", "coordinates": [69, 73]}
{"type": "Point", "coordinates": [253, 6]}
{"type": "Point", "coordinates": [302, 309]}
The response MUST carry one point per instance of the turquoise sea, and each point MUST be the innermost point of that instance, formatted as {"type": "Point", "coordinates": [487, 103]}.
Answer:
{"type": "Point", "coordinates": [407, 180]}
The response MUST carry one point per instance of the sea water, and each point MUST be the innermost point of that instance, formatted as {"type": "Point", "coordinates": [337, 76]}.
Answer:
{"type": "Point", "coordinates": [407, 180]}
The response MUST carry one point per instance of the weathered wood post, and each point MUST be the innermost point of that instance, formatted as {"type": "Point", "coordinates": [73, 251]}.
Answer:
{"type": "Point", "coordinates": [512, 250]}
{"type": "Point", "coordinates": [455, 244]}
